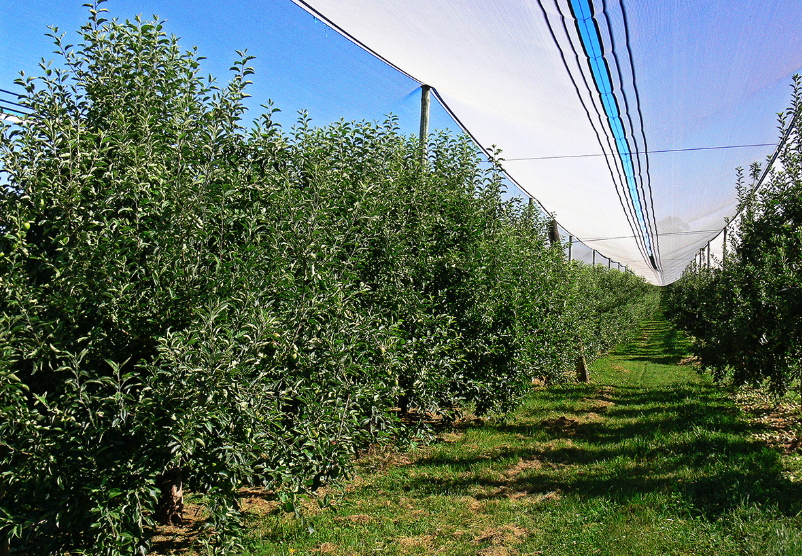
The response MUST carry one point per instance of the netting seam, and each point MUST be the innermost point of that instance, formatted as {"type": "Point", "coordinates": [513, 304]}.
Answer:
{"type": "Point", "coordinates": [626, 207]}
{"type": "Point", "coordinates": [650, 221]}
{"type": "Point", "coordinates": [614, 120]}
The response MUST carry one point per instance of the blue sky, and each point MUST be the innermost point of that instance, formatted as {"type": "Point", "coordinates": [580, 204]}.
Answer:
{"type": "Point", "coordinates": [300, 62]}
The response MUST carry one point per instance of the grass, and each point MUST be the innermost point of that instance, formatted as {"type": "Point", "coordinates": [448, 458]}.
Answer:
{"type": "Point", "coordinates": [650, 458]}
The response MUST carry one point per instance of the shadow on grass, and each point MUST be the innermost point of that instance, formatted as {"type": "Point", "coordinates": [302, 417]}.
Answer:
{"type": "Point", "coordinates": [691, 450]}
{"type": "Point", "coordinates": [674, 438]}
{"type": "Point", "coordinates": [659, 343]}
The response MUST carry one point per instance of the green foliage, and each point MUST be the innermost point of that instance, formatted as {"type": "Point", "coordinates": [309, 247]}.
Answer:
{"type": "Point", "coordinates": [186, 297]}
{"type": "Point", "coordinates": [744, 316]}
{"type": "Point", "coordinates": [650, 458]}
{"type": "Point", "coordinates": [611, 305]}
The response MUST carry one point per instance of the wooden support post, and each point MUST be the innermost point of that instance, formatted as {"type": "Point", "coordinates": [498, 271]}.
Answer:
{"type": "Point", "coordinates": [424, 121]}
{"type": "Point", "coordinates": [554, 233]}
{"type": "Point", "coordinates": [582, 374]}
{"type": "Point", "coordinates": [170, 506]}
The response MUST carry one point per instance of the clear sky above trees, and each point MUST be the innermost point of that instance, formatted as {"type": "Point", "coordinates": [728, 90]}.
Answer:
{"type": "Point", "coordinates": [300, 64]}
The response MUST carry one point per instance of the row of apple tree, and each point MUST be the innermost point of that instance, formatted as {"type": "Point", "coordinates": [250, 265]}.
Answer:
{"type": "Point", "coordinates": [189, 302]}
{"type": "Point", "coordinates": [744, 313]}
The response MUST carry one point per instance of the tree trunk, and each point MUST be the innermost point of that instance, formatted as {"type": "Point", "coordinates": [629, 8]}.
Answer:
{"type": "Point", "coordinates": [403, 404]}
{"type": "Point", "coordinates": [170, 507]}
{"type": "Point", "coordinates": [582, 374]}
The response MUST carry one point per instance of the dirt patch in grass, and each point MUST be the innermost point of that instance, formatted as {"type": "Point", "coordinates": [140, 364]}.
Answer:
{"type": "Point", "coordinates": [509, 534]}
{"type": "Point", "coordinates": [562, 424]}
{"type": "Point", "coordinates": [360, 519]}
{"type": "Point", "coordinates": [591, 417]}
{"type": "Point", "coordinates": [556, 444]}
{"type": "Point", "coordinates": [522, 465]}
{"type": "Point", "coordinates": [259, 501]}
{"type": "Point", "coordinates": [380, 459]}
{"type": "Point", "coordinates": [497, 551]}
{"type": "Point", "coordinates": [553, 496]}
{"type": "Point", "coordinates": [605, 394]}
{"type": "Point", "coordinates": [476, 506]}
{"type": "Point", "coordinates": [408, 543]}
{"type": "Point", "coordinates": [780, 420]}
{"type": "Point", "coordinates": [599, 405]}
{"type": "Point", "coordinates": [502, 492]}
{"type": "Point", "coordinates": [450, 437]}
{"type": "Point", "coordinates": [516, 495]}
{"type": "Point", "coordinates": [326, 548]}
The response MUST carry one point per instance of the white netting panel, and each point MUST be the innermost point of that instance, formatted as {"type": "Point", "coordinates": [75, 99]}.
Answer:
{"type": "Point", "coordinates": [685, 75]}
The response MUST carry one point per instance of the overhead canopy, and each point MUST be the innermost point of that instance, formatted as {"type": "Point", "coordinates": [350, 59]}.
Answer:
{"type": "Point", "coordinates": [607, 111]}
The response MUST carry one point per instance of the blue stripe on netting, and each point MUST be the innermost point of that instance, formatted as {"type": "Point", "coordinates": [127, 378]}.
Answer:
{"type": "Point", "coordinates": [591, 41]}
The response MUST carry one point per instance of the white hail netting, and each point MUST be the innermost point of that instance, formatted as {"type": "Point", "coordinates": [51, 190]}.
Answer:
{"type": "Point", "coordinates": [533, 77]}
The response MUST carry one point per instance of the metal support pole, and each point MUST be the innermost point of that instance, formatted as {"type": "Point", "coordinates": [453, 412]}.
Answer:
{"type": "Point", "coordinates": [424, 121]}
{"type": "Point", "coordinates": [724, 254]}
{"type": "Point", "coordinates": [708, 255]}
{"type": "Point", "coordinates": [619, 267]}
{"type": "Point", "coordinates": [609, 263]}
{"type": "Point", "coordinates": [570, 245]}
{"type": "Point", "coordinates": [594, 257]}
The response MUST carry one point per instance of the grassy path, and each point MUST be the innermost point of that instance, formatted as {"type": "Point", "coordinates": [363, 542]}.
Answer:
{"type": "Point", "coordinates": [649, 458]}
